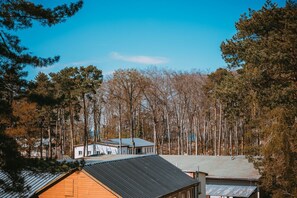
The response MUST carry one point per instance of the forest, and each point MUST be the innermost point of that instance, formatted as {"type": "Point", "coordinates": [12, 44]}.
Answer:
{"type": "Point", "coordinates": [248, 108]}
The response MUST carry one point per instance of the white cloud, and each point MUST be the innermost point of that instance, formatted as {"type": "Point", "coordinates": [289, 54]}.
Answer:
{"type": "Point", "coordinates": [139, 59]}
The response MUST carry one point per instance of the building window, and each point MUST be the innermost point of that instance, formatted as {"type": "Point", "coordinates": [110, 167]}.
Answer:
{"type": "Point", "coordinates": [79, 152]}
{"type": "Point", "coordinates": [138, 150]}
{"type": "Point", "coordinates": [89, 152]}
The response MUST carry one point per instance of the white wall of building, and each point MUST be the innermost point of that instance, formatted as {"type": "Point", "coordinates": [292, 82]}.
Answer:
{"type": "Point", "coordinates": [78, 151]}
{"type": "Point", "coordinates": [107, 150]}
{"type": "Point", "coordinates": [143, 150]}
{"type": "Point", "coordinates": [147, 150]}
{"type": "Point", "coordinates": [98, 149]}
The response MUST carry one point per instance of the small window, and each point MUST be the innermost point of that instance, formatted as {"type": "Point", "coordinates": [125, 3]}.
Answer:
{"type": "Point", "coordinates": [79, 152]}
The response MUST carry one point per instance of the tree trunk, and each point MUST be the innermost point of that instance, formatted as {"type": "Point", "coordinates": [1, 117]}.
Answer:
{"type": "Point", "coordinates": [225, 134]}
{"type": "Point", "coordinates": [120, 127]}
{"type": "Point", "coordinates": [178, 144]}
{"type": "Point", "coordinates": [243, 137]}
{"type": "Point", "coordinates": [220, 131]}
{"type": "Point", "coordinates": [155, 136]}
{"type": "Point", "coordinates": [204, 132]}
{"type": "Point", "coordinates": [196, 129]}
{"type": "Point", "coordinates": [231, 146]}
{"type": "Point", "coordinates": [41, 141]}
{"type": "Point", "coordinates": [131, 124]}
{"type": "Point", "coordinates": [99, 124]}
{"type": "Point", "coordinates": [181, 137]}
{"type": "Point", "coordinates": [95, 121]}
{"type": "Point", "coordinates": [168, 133]}
{"type": "Point", "coordinates": [85, 126]}
{"type": "Point", "coordinates": [187, 142]}
{"type": "Point", "coordinates": [236, 138]}
{"type": "Point", "coordinates": [162, 141]}
{"type": "Point", "coordinates": [49, 140]}
{"type": "Point", "coordinates": [215, 130]}
{"type": "Point", "coordinates": [71, 131]}
{"type": "Point", "coordinates": [56, 142]}
{"type": "Point", "coordinates": [61, 132]}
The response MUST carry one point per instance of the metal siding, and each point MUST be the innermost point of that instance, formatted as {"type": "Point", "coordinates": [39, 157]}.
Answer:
{"type": "Point", "coordinates": [229, 190]}
{"type": "Point", "coordinates": [146, 176]}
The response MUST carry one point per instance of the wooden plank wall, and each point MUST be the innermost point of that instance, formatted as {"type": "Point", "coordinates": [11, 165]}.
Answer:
{"type": "Point", "coordinates": [77, 185]}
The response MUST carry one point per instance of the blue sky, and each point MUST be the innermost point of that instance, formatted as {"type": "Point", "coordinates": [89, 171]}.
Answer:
{"type": "Point", "coordinates": [112, 34]}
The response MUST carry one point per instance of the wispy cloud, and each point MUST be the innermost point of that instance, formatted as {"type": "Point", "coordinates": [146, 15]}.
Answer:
{"type": "Point", "coordinates": [139, 59]}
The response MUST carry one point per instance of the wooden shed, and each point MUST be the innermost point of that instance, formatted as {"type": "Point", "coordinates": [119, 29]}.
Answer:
{"type": "Point", "coordinates": [143, 176]}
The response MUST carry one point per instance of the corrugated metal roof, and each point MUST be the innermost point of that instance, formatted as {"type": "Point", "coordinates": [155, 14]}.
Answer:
{"type": "Point", "coordinates": [33, 181]}
{"type": "Point", "coordinates": [230, 190]}
{"type": "Point", "coordinates": [138, 142]}
{"type": "Point", "coordinates": [112, 143]}
{"type": "Point", "coordinates": [144, 176]}
{"type": "Point", "coordinates": [236, 167]}
{"type": "Point", "coordinates": [103, 158]}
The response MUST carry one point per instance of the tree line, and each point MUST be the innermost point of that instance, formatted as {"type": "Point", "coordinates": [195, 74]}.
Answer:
{"type": "Point", "coordinates": [178, 111]}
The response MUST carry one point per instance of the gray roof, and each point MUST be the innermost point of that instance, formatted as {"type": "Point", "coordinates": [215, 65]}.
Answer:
{"type": "Point", "coordinates": [103, 158]}
{"type": "Point", "coordinates": [32, 181]}
{"type": "Point", "coordinates": [112, 143]}
{"type": "Point", "coordinates": [138, 142]}
{"type": "Point", "coordinates": [143, 176]}
{"type": "Point", "coordinates": [230, 190]}
{"type": "Point", "coordinates": [227, 167]}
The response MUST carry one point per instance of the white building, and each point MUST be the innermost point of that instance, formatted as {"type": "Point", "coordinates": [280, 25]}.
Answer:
{"type": "Point", "coordinates": [79, 150]}
{"type": "Point", "coordinates": [113, 147]}
{"type": "Point", "coordinates": [141, 146]}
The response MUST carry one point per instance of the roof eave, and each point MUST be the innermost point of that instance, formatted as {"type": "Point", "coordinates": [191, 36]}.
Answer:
{"type": "Point", "coordinates": [234, 178]}
{"type": "Point", "coordinates": [181, 189]}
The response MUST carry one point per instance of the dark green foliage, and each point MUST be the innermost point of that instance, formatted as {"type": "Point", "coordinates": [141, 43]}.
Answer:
{"type": "Point", "coordinates": [265, 48]}
{"type": "Point", "coordinates": [280, 155]}
{"type": "Point", "coordinates": [16, 15]}
{"type": "Point", "coordinates": [264, 52]}
{"type": "Point", "coordinates": [51, 165]}
{"type": "Point", "coordinates": [10, 162]}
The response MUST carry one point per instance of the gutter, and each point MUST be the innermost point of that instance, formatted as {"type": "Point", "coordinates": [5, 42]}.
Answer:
{"type": "Point", "coordinates": [195, 185]}
{"type": "Point", "coordinates": [234, 178]}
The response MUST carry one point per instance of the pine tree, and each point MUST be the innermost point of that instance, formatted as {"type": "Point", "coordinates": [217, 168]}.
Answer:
{"type": "Point", "coordinates": [264, 52]}
{"type": "Point", "coordinates": [16, 15]}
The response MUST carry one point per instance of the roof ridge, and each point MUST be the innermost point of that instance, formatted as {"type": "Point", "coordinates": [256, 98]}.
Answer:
{"type": "Point", "coordinates": [122, 159]}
